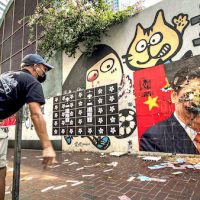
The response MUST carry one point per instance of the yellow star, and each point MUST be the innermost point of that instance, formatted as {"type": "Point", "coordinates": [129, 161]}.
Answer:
{"type": "Point", "coordinates": [151, 102]}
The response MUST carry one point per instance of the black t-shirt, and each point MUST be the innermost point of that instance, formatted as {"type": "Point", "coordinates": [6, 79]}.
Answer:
{"type": "Point", "coordinates": [16, 89]}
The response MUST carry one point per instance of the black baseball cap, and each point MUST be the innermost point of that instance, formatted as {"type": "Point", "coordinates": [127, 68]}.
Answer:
{"type": "Point", "coordinates": [31, 59]}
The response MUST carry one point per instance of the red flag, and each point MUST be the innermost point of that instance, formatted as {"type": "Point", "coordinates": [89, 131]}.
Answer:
{"type": "Point", "coordinates": [152, 93]}
{"type": "Point", "coordinates": [8, 121]}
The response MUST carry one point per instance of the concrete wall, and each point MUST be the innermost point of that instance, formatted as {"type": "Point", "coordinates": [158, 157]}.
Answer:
{"type": "Point", "coordinates": [171, 29]}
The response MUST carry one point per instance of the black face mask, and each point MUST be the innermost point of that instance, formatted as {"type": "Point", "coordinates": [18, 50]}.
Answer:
{"type": "Point", "coordinates": [42, 78]}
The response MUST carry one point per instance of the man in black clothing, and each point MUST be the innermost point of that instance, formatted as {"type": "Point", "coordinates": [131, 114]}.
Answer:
{"type": "Point", "coordinates": [16, 89]}
{"type": "Point", "coordinates": [180, 133]}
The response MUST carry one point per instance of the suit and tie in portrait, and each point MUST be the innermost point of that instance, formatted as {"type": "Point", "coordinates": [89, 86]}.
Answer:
{"type": "Point", "coordinates": [180, 132]}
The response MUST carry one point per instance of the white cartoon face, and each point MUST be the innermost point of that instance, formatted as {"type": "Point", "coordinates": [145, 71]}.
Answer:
{"type": "Point", "coordinates": [106, 71]}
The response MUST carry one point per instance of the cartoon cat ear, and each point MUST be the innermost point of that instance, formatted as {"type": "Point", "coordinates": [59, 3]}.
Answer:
{"type": "Point", "coordinates": [160, 18]}
{"type": "Point", "coordinates": [139, 29]}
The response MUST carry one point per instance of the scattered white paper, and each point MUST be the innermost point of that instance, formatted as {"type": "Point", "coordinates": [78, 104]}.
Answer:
{"type": "Point", "coordinates": [54, 166]}
{"type": "Point", "coordinates": [152, 158]}
{"type": "Point", "coordinates": [38, 156]}
{"type": "Point", "coordinates": [73, 163]}
{"type": "Point", "coordinates": [78, 183]}
{"type": "Point", "coordinates": [46, 189]}
{"type": "Point", "coordinates": [86, 175]}
{"type": "Point", "coordinates": [107, 170]}
{"type": "Point", "coordinates": [71, 181]}
{"type": "Point", "coordinates": [131, 179]}
{"type": "Point", "coordinates": [66, 162]}
{"type": "Point", "coordinates": [79, 168]}
{"type": "Point", "coordinates": [124, 197]}
{"type": "Point", "coordinates": [59, 187]}
{"type": "Point", "coordinates": [177, 172]}
{"type": "Point", "coordinates": [86, 159]}
{"type": "Point", "coordinates": [114, 164]}
{"type": "Point", "coordinates": [118, 154]}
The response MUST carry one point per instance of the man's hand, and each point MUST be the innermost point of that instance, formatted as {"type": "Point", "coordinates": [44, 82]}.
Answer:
{"type": "Point", "coordinates": [49, 157]}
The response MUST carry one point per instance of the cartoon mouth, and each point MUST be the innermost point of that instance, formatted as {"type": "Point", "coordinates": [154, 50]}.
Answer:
{"type": "Point", "coordinates": [165, 49]}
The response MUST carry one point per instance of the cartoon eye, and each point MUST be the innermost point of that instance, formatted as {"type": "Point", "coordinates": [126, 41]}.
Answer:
{"type": "Point", "coordinates": [141, 46]}
{"type": "Point", "coordinates": [156, 38]}
{"type": "Point", "coordinates": [93, 75]}
{"type": "Point", "coordinates": [107, 65]}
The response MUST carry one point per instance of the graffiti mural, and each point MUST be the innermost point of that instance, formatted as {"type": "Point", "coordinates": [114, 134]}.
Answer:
{"type": "Point", "coordinates": [169, 117]}
{"type": "Point", "coordinates": [157, 44]}
{"type": "Point", "coordinates": [196, 21]}
{"type": "Point", "coordinates": [150, 51]}
{"type": "Point", "coordinates": [95, 70]}
{"type": "Point", "coordinates": [103, 68]}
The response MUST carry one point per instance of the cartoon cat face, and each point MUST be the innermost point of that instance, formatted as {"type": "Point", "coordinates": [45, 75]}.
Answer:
{"type": "Point", "coordinates": [154, 45]}
{"type": "Point", "coordinates": [105, 71]}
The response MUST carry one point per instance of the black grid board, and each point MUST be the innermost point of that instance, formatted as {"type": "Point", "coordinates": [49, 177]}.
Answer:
{"type": "Point", "coordinates": [87, 112]}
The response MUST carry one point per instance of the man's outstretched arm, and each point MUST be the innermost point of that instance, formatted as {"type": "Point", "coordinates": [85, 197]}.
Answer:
{"type": "Point", "coordinates": [49, 154]}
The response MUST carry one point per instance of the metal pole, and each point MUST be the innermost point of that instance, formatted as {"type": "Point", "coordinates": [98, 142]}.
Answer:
{"type": "Point", "coordinates": [17, 155]}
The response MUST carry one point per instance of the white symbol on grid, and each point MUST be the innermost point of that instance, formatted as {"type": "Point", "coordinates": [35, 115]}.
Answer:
{"type": "Point", "coordinates": [80, 130]}
{"type": "Point", "coordinates": [56, 107]}
{"type": "Point", "coordinates": [112, 108]}
{"type": "Point", "coordinates": [111, 99]}
{"type": "Point", "coordinates": [67, 119]}
{"type": "Point", "coordinates": [55, 131]}
{"type": "Point", "coordinates": [63, 98]}
{"type": "Point", "coordinates": [63, 114]}
{"type": "Point", "coordinates": [100, 110]}
{"type": "Point", "coordinates": [67, 110]}
{"type": "Point", "coordinates": [67, 99]}
{"type": "Point", "coordinates": [112, 119]}
{"type": "Point", "coordinates": [71, 122]}
{"type": "Point", "coordinates": [80, 112]}
{"type": "Point", "coordinates": [89, 96]}
{"type": "Point", "coordinates": [63, 123]}
{"type": "Point", "coordinates": [100, 91]}
{"type": "Point", "coordinates": [71, 131]}
{"type": "Point", "coordinates": [71, 113]}
{"type": "Point", "coordinates": [63, 106]}
{"type": "Point", "coordinates": [71, 96]}
{"type": "Point", "coordinates": [100, 131]}
{"type": "Point", "coordinates": [111, 89]}
{"type": "Point", "coordinates": [55, 114]}
{"type": "Point", "coordinates": [89, 119]}
{"type": "Point", "coordinates": [56, 99]}
{"type": "Point", "coordinates": [55, 123]}
{"type": "Point", "coordinates": [89, 130]}
{"type": "Point", "coordinates": [89, 104]}
{"type": "Point", "coordinates": [80, 94]}
{"type": "Point", "coordinates": [80, 121]}
{"type": "Point", "coordinates": [100, 120]}
{"type": "Point", "coordinates": [71, 105]}
{"type": "Point", "coordinates": [100, 100]}
{"type": "Point", "coordinates": [80, 103]}
{"type": "Point", "coordinates": [112, 130]}
{"type": "Point", "coordinates": [89, 109]}
{"type": "Point", "coordinates": [63, 131]}
{"type": "Point", "coordinates": [89, 114]}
